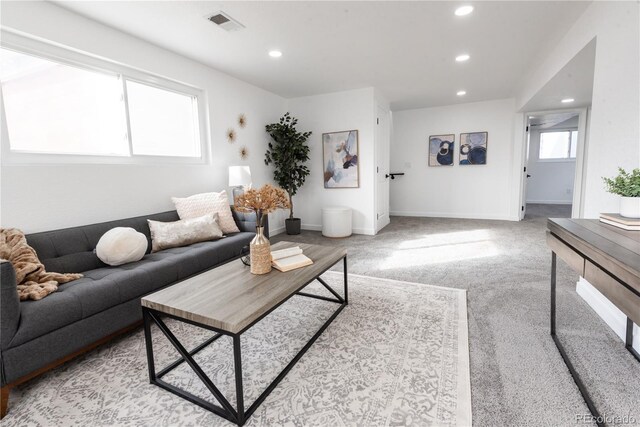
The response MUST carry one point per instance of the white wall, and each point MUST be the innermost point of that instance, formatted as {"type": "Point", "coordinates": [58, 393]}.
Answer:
{"type": "Point", "coordinates": [354, 109]}
{"type": "Point", "coordinates": [614, 122]}
{"type": "Point", "coordinates": [615, 318]}
{"type": "Point", "coordinates": [551, 180]}
{"type": "Point", "coordinates": [45, 197]}
{"type": "Point", "coordinates": [454, 191]}
{"type": "Point", "coordinates": [615, 112]}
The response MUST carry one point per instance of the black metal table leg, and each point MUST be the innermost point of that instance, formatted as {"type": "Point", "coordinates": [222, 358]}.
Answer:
{"type": "Point", "coordinates": [149, 344]}
{"type": "Point", "coordinates": [237, 360]}
{"type": "Point", "coordinates": [192, 353]}
{"type": "Point", "coordinates": [338, 299]}
{"type": "Point", "coordinates": [553, 293]}
{"type": "Point", "coordinates": [227, 411]}
{"type": "Point", "coordinates": [291, 364]}
{"type": "Point", "coordinates": [563, 353]}
{"type": "Point", "coordinates": [346, 291]}
{"type": "Point", "coordinates": [628, 343]}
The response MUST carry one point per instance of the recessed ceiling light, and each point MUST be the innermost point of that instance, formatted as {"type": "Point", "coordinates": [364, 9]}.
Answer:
{"type": "Point", "coordinates": [567, 100]}
{"type": "Point", "coordinates": [275, 53]}
{"type": "Point", "coordinates": [461, 93]}
{"type": "Point", "coordinates": [463, 10]}
{"type": "Point", "coordinates": [462, 58]}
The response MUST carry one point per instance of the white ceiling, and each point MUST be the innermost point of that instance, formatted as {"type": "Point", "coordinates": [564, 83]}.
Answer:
{"type": "Point", "coordinates": [405, 49]}
{"type": "Point", "coordinates": [546, 121]}
{"type": "Point", "coordinates": [574, 80]}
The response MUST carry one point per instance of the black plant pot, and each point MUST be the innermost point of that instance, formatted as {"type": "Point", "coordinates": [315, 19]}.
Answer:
{"type": "Point", "coordinates": [292, 225]}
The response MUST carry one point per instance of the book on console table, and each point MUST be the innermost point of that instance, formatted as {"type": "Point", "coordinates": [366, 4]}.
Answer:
{"type": "Point", "coordinates": [617, 220]}
{"type": "Point", "coordinates": [289, 259]}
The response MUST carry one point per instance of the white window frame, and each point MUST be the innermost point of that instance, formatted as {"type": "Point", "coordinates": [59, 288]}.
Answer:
{"type": "Point", "coordinates": [66, 56]}
{"type": "Point", "coordinates": [561, 159]}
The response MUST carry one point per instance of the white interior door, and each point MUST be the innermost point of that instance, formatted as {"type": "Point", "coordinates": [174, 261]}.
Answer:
{"type": "Point", "coordinates": [383, 144]}
{"type": "Point", "coordinates": [525, 172]}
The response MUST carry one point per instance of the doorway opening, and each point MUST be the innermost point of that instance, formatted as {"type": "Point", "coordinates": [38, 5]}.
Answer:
{"type": "Point", "coordinates": [573, 84]}
{"type": "Point", "coordinates": [553, 164]}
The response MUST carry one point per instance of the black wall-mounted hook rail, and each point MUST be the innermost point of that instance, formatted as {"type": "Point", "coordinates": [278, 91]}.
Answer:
{"type": "Point", "coordinates": [393, 175]}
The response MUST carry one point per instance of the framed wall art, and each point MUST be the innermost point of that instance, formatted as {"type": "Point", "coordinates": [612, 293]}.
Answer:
{"type": "Point", "coordinates": [340, 159]}
{"type": "Point", "coordinates": [441, 149]}
{"type": "Point", "coordinates": [473, 148]}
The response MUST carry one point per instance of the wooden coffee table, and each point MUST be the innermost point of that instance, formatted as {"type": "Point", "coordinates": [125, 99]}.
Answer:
{"type": "Point", "coordinates": [229, 300]}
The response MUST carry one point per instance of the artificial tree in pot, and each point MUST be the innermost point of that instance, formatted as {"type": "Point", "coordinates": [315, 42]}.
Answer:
{"type": "Point", "coordinates": [626, 185]}
{"type": "Point", "coordinates": [288, 151]}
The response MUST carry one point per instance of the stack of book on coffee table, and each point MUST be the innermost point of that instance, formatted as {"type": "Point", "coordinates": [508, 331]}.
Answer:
{"type": "Point", "coordinates": [289, 259]}
{"type": "Point", "coordinates": [617, 220]}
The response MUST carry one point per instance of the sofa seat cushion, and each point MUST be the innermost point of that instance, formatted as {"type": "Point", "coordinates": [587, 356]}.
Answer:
{"type": "Point", "coordinates": [103, 288]}
{"type": "Point", "coordinates": [48, 314]}
{"type": "Point", "coordinates": [201, 256]}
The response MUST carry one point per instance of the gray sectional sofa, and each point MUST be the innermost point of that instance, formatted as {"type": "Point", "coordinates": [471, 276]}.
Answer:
{"type": "Point", "coordinates": [38, 335]}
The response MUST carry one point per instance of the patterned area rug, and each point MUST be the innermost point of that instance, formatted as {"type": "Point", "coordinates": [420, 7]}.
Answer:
{"type": "Point", "coordinates": [397, 355]}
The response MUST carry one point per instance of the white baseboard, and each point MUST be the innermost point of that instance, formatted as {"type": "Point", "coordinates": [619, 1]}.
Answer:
{"type": "Point", "coordinates": [454, 215]}
{"type": "Point", "coordinates": [607, 311]}
{"type": "Point", "coordinates": [385, 222]}
{"type": "Point", "coordinates": [550, 202]}
{"type": "Point", "coordinates": [365, 231]}
{"type": "Point", "coordinates": [311, 227]}
{"type": "Point", "coordinates": [315, 227]}
{"type": "Point", "coordinates": [276, 231]}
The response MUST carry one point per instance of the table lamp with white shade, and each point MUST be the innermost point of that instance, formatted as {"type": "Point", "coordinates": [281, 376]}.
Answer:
{"type": "Point", "coordinates": [239, 179]}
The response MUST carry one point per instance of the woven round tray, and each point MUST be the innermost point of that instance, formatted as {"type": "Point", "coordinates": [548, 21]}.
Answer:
{"type": "Point", "coordinates": [260, 258]}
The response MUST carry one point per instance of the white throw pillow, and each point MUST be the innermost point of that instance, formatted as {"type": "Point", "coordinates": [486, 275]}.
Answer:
{"type": "Point", "coordinates": [165, 235]}
{"type": "Point", "coordinates": [207, 203]}
{"type": "Point", "coordinates": [121, 245]}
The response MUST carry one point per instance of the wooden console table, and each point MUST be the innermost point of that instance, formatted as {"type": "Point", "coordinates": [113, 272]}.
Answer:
{"type": "Point", "coordinates": [609, 259]}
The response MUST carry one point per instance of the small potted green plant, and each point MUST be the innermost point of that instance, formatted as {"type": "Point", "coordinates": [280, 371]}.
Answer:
{"type": "Point", "coordinates": [627, 185]}
{"type": "Point", "coordinates": [288, 151]}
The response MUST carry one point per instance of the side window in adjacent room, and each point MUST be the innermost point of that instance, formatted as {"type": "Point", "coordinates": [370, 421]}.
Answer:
{"type": "Point", "coordinates": [558, 145]}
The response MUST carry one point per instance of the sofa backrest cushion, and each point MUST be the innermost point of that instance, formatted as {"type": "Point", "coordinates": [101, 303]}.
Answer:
{"type": "Point", "coordinates": [70, 250]}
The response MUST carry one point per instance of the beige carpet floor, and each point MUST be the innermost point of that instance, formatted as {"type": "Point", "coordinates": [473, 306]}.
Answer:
{"type": "Point", "coordinates": [517, 375]}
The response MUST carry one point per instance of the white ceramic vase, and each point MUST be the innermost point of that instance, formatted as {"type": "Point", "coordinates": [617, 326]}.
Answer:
{"type": "Point", "coordinates": [630, 207]}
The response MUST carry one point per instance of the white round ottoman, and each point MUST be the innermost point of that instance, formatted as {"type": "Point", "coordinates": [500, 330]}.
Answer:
{"type": "Point", "coordinates": [336, 221]}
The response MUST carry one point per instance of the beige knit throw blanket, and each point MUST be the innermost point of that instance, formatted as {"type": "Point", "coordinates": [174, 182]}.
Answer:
{"type": "Point", "coordinates": [32, 280]}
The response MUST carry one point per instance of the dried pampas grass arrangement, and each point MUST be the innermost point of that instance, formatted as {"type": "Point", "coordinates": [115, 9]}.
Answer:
{"type": "Point", "coordinates": [262, 201]}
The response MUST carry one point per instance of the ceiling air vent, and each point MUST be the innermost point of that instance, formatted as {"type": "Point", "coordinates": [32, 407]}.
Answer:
{"type": "Point", "coordinates": [225, 22]}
